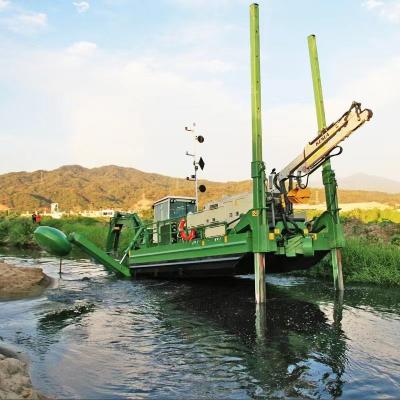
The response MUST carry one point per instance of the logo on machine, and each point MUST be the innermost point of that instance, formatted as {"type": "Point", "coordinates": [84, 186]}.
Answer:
{"type": "Point", "coordinates": [323, 138]}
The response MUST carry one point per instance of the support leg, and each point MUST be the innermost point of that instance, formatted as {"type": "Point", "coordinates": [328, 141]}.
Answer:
{"type": "Point", "coordinates": [338, 310]}
{"type": "Point", "coordinates": [261, 323]}
{"type": "Point", "coordinates": [328, 175]}
{"type": "Point", "coordinates": [336, 260]}
{"type": "Point", "coordinates": [259, 277]}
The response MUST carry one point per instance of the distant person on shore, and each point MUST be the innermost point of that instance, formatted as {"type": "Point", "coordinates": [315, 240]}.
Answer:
{"type": "Point", "coordinates": [38, 218]}
{"type": "Point", "coordinates": [34, 218]}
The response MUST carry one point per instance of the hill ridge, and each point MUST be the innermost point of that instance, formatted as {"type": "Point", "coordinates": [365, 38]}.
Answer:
{"type": "Point", "coordinates": [77, 188]}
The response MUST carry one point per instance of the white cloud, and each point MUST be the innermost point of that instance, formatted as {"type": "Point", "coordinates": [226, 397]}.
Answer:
{"type": "Point", "coordinates": [110, 108]}
{"type": "Point", "coordinates": [198, 62]}
{"type": "Point", "coordinates": [212, 66]}
{"type": "Point", "coordinates": [81, 6]}
{"type": "Point", "coordinates": [389, 10]}
{"type": "Point", "coordinates": [207, 3]}
{"type": "Point", "coordinates": [134, 106]}
{"type": "Point", "coordinates": [371, 4]}
{"type": "Point", "coordinates": [200, 34]}
{"type": "Point", "coordinates": [4, 4]}
{"type": "Point", "coordinates": [26, 22]}
{"type": "Point", "coordinates": [82, 49]}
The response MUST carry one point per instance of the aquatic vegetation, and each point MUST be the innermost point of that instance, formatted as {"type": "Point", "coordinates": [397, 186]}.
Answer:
{"type": "Point", "coordinates": [364, 262]}
{"type": "Point", "coordinates": [58, 319]}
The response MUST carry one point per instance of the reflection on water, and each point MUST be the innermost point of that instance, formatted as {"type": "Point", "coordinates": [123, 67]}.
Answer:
{"type": "Point", "coordinates": [94, 336]}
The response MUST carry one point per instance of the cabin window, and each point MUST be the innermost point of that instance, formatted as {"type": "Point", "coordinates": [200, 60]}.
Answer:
{"type": "Point", "coordinates": [181, 208]}
{"type": "Point", "coordinates": [230, 215]}
{"type": "Point", "coordinates": [161, 211]}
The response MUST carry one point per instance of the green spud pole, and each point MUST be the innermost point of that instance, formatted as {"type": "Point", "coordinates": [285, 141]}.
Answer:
{"type": "Point", "coordinates": [328, 175]}
{"type": "Point", "coordinates": [259, 224]}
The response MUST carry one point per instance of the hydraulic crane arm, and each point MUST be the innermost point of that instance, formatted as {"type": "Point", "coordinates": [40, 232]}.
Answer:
{"type": "Point", "coordinates": [316, 151]}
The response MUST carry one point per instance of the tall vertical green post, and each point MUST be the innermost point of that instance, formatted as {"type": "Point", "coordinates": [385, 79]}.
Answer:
{"type": "Point", "coordinates": [328, 175]}
{"type": "Point", "coordinates": [259, 215]}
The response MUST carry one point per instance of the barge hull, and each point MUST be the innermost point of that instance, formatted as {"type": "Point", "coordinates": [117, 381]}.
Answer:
{"type": "Point", "coordinates": [235, 264]}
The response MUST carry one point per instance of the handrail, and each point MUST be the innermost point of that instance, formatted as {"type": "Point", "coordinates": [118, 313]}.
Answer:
{"type": "Point", "coordinates": [132, 243]}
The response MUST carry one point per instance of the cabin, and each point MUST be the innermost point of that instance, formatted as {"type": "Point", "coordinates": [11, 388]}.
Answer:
{"type": "Point", "coordinates": [172, 207]}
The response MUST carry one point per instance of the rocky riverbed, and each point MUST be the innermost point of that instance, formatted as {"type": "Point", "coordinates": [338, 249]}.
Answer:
{"type": "Point", "coordinates": [15, 382]}
{"type": "Point", "coordinates": [15, 283]}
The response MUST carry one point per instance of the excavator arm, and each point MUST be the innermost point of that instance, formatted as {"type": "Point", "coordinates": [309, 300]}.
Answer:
{"type": "Point", "coordinates": [318, 150]}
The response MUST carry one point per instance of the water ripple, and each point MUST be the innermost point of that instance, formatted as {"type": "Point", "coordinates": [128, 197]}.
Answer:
{"type": "Point", "coordinates": [97, 337]}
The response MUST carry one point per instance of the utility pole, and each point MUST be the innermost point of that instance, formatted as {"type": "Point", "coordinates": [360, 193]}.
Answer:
{"type": "Point", "coordinates": [328, 175]}
{"type": "Point", "coordinates": [257, 166]}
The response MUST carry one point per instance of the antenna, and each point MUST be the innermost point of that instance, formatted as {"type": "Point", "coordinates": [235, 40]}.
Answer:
{"type": "Point", "coordinates": [196, 162]}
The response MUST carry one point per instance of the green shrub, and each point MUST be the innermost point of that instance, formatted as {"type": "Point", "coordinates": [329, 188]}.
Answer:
{"type": "Point", "coordinates": [4, 229]}
{"type": "Point", "coordinates": [20, 232]}
{"type": "Point", "coordinates": [364, 262]}
{"type": "Point", "coordinates": [395, 240]}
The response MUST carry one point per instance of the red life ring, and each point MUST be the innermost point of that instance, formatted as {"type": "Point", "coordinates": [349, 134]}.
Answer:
{"type": "Point", "coordinates": [183, 233]}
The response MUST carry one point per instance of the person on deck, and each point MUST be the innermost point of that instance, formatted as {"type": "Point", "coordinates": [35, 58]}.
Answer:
{"type": "Point", "coordinates": [33, 217]}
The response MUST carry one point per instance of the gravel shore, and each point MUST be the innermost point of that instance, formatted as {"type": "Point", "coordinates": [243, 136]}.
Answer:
{"type": "Point", "coordinates": [15, 382]}
{"type": "Point", "coordinates": [15, 283]}
{"type": "Point", "coordinates": [21, 281]}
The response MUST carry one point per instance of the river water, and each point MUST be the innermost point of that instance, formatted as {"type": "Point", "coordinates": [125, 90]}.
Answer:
{"type": "Point", "coordinates": [94, 336]}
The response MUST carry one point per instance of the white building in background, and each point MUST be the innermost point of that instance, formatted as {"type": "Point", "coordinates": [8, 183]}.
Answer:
{"type": "Point", "coordinates": [57, 214]}
{"type": "Point", "coordinates": [55, 211]}
{"type": "Point", "coordinates": [98, 213]}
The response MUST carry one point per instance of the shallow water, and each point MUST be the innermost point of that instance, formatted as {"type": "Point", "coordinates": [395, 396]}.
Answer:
{"type": "Point", "coordinates": [97, 337]}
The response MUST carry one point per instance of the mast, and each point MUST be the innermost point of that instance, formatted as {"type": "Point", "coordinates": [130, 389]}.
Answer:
{"type": "Point", "coordinates": [259, 225]}
{"type": "Point", "coordinates": [328, 175]}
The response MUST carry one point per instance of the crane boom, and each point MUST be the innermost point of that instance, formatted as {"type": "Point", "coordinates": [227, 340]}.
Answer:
{"type": "Point", "coordinates": [319, 148]}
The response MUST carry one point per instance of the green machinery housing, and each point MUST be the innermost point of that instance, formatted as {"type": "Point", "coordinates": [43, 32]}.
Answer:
{"type": "Point", "coordinates": [263, 233]}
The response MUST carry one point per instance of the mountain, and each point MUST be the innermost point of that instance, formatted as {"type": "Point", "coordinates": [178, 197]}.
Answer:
{"type": "Point", "coordinates": [362, 181]}
{"type": "Point", "coordinates": [78, 188]}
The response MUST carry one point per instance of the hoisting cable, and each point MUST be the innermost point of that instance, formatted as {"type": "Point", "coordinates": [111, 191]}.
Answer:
{"type": "Point", "coordinates": [298, 177]}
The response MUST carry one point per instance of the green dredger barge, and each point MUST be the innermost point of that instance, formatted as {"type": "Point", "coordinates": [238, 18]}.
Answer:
{"type": "Point", "coordinates": [249, 235]}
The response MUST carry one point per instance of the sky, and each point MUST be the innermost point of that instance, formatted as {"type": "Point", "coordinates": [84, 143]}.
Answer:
{"type": "Point", "coordinates": [102, 82]}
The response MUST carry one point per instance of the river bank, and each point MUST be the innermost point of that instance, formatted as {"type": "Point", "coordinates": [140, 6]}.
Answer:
{"type": "Point", "coordinates": [363, 262]}
{"type": "Point", "coordinates": [371, 255]}
{"type": "Point", "coordinates": [17, 282]}
{"type": "Point", "coordinates": [15, 382]}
